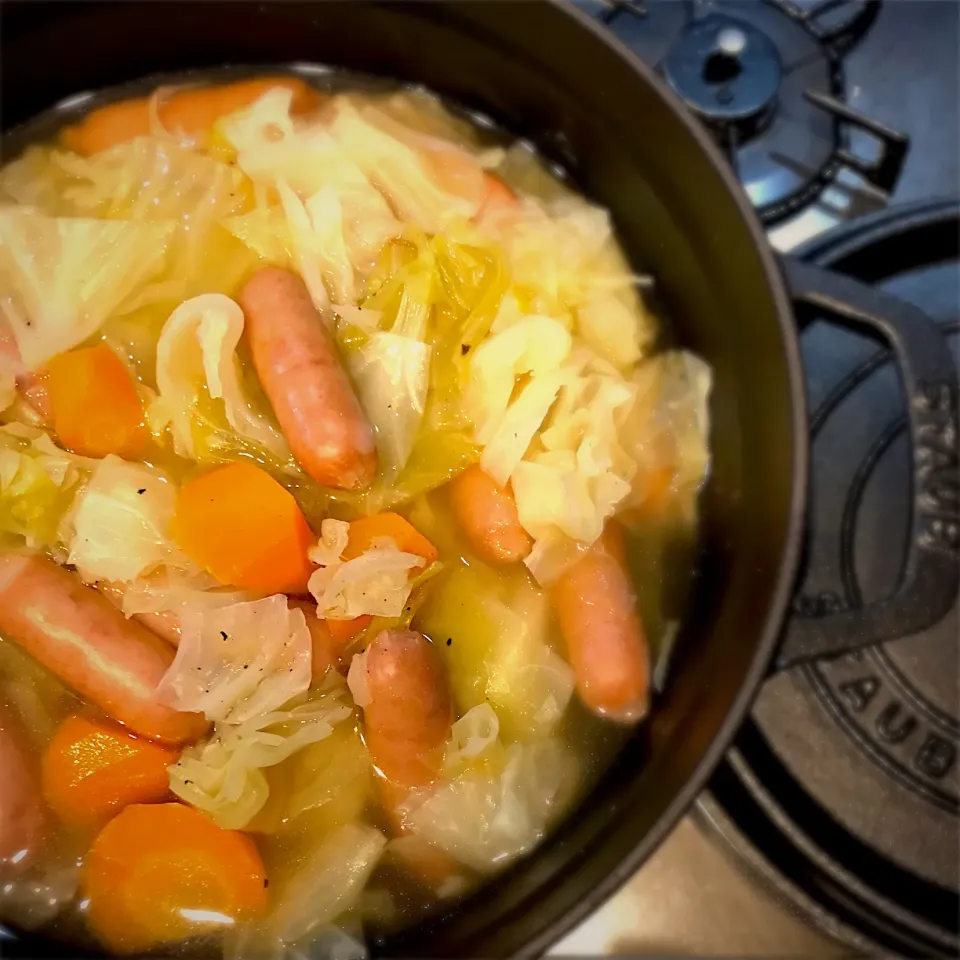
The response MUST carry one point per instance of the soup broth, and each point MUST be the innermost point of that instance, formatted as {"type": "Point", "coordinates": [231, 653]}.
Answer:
{"type": "Point", "coordinates": [372, 460]}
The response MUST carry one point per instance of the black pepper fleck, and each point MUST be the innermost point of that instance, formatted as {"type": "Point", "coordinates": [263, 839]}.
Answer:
{"type": "Point", "coordinates": [246, 666]}
{"type": "Point", "coordinates": [464, 348]}
{"type": "Point", "coordinates": [449, 641]}
{"type": "Point", "coordinates": [223, 633]}
{"type": "Point", "coordinates": [142, 490]}
{"type": "Point", "coordinates": [266, 883]}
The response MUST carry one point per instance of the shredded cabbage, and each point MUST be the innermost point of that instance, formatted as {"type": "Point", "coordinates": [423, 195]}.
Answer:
{"type": "Point", "coordinates": [487, 821]}
{"type": "Point", "coordinates": [39, 483]}
{"type": "Point", "coordinates": [120, 523]}
{"type": "Point", "coordinates": [533, 345]}
{"type": "Point", "coordinates": [153, 179]}
{"type": "Point", "coordinates": [223, 776]}
{"type": "Point", "coordinates": [377, 582]}
{"type": "Point", "coordinates": [272, 148]}
{"type": "Point", "coordinates": [197, 362]}
{"type": "Point", "coordinates": [61, 278]}
{"type": "Point", "coordinates": [239, 661]}
{"type": "Point", "coordinates": [400, 173]}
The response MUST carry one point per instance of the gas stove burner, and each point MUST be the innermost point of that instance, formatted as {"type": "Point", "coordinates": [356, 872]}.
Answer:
{"type": "Point", "coordinates": [766, 78]}
{"type": "Point", "coordinates": [728, 72]}
{"type": "Point", "coordinates": [842, 790]}
{"type": "Point", "coordinates": [841, 23]}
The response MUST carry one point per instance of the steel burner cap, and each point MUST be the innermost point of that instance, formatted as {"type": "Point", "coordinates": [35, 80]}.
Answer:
{"type": "Point", "coordinates": [726, 70]}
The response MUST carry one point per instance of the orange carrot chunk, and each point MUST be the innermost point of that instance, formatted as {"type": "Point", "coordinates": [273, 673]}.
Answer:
{"type": "Point", "coordinates": [366, 530]}
{"type": "Point", "coordinates": [160, 872]}
{"type": "Point", "coordinates": [192, 111]}
{"type": "Point", "coordinates": [95, 404]}
{"type": "Point", "coordinates": [239, 524]}
{"type": "Point", "coordinates": [93, 768]}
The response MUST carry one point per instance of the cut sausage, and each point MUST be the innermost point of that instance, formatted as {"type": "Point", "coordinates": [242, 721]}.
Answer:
{"type": "Point", "coordinates": [21, 816]}
{"type": "Point", "coordinates": [408, 712]}
{"type": "Point", "coordinates": [488, 515]}
{"type": "Point", "coordinates": [296, 360]}
{"type": "Point", "coordinates": [605, 641]}
{"type": "Point", "coordinates": [76, 633]}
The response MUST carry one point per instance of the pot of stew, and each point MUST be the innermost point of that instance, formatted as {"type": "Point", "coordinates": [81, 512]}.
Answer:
{"type": "Point", "coordinates": [402, 474]}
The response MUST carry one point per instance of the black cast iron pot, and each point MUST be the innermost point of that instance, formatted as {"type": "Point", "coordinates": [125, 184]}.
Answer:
{"type": "Point", "coordinates": [544, 71]}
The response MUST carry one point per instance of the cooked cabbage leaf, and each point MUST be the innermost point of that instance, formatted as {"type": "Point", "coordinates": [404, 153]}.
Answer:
{"type": "Point", "coordinates": [272, 148]}
{"type": "Point", "coordinates": [239, 661]}
{"type": "Point", "coordinates": [39, 483]}
{"type": "Point", "coordinates": [172, 591]}
{"type": "Point", "coordinates": [375, 583]}
{"type": "Point", "coordinates": [499, 624]}
{"type": "Point", "coordinates": [392, 376]}
{"type": "Point", "coordinates": [61, 278]}
{"type": "Point", "coordinates": [327, 883]}
{"type": "Point", "coordinates": [487, 821]}
{"type": "Point", "coordinates": [121, 523]}
{"type": "Point", "coordinates": [197, 361]}
{"type": "Point", "coordinates": [667, 432]}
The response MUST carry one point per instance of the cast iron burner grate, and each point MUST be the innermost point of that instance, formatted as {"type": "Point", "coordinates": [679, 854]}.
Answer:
{"type": "Point", "coordinates": [766, 78]}
{"type": "Point", "coordinates": [843, 787]}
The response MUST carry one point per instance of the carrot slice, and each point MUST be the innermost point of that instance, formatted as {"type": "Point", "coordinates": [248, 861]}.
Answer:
{"type": "Point", "coordinates": [92, 768]}
{"type": "Point", "coordinates": [95, 404]}
{"type": "Point", "coordinates": [343, 631]}
{"type": "Point", "coordinates": [190, 111]}
{"type": "Point", "coordinates": [238, 523]}
{"type": "Point", "coordinates": [160, 872]}
{"type": "Point", "coordinates": [366, 530]}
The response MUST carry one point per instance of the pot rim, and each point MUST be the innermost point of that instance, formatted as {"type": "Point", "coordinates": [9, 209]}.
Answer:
{"type": "Point", "coordinates": [634, 858]}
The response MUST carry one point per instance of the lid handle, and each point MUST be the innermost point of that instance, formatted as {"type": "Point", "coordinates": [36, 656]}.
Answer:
{"type": "Point", "coordinates": [931, 573]}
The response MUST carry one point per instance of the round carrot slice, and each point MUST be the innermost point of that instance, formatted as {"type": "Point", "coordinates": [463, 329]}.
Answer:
{"type": "Point", "coordinates": [161, 872]}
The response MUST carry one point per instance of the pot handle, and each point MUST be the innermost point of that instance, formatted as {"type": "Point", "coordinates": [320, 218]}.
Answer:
{"type": "Point", "coordinates": [931, 574]}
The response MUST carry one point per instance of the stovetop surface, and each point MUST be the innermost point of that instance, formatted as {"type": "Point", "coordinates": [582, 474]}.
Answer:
{"type": "Point", "coordinates": [896, 64]}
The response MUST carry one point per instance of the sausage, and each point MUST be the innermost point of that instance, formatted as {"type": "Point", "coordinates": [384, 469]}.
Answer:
{"type": "Point", "coordinates": [77, 634]}
{"type": "Point", "coordinates": [600, 624]}
{"type": "Point", "coordinates": [325, 649]}
{"type": "Point", "coordinates": [407, 721]}
{"type": "Point", "coordinates": [165, 625]}
{"type": "Point", "coordinates": [488, 515]}
{"type": "Point", "coordinates": [22, 822]}
{"type": "Point", "coordinates": [296, 360]}
{"type": "Point", "coordinates": [408, 715]}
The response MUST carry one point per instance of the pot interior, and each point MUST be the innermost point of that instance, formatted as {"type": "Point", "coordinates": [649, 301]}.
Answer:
{"type": "Point", "coordinates": [542, 72]}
